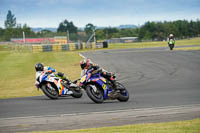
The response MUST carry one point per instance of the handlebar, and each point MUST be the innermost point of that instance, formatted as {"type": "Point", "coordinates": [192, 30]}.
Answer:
{"type": "Point", "coordinates": [75, 81]}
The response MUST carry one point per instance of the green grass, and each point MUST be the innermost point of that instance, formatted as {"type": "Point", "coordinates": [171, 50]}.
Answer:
{"type": "Point", "coordinates": [187, 48]}
{"type": "Point", "coordinates": [193, 41]}
{"type": "Point", "coordinates": [3, 47]}
{"type": "Point", "coordinates": [17, 75]}
{"type": "Point", "coordinates": [189, 126]}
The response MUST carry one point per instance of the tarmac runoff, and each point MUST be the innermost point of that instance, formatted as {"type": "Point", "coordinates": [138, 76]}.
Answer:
{"type": "Point", "coordinates": [99, 119]}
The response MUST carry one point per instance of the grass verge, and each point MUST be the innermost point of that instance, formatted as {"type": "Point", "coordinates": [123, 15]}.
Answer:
{"type": "Point", "coordinates": [17, 75]}
{"type": "Point", "coordinates": [187, 48]}
{"type": "Point", "coordinates": [189, 126]}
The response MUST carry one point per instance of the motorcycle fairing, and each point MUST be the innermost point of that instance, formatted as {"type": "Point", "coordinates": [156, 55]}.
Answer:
{"type": "Point", "coordinates": [97, 78]}
{"type": "Point", "coordinates": [62, 90]}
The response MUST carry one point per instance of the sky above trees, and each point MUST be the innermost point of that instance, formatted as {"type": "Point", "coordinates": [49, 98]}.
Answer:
{"type": "Point", "coordinates": [49, 13]}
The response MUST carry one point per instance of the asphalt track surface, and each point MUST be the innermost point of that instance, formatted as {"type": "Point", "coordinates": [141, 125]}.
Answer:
{"type": "Point", "coordinates": [154, 77]}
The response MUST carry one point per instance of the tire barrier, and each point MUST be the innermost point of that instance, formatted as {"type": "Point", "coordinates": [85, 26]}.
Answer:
{"type": "Point", "coordinates": [47, 48]}
{"type": "Point", "coordinates": [72, 47]}
{"type": "Point", "coordinates": [37, 48]}
{"type": "Point", "coordinates": [66, 47]}
{"type": "Point", "coordinates": [105, 44]}
{"type": "Point", "coordinates": [57, 48]}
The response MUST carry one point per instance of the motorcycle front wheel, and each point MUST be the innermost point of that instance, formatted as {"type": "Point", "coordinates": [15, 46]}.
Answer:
{"type": "Point", "coordinates": [50, 91]}
{"type": "Point", "coordinates": [95, 95]}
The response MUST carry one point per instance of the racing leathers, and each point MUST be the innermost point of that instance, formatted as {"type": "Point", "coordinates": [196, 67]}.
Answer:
{"type": "Point", "coordinates": [94, 68]}
{"type": "Point", "coordinates": [50, 70]}
{"type": "Point", "coordinates": [171, 39]}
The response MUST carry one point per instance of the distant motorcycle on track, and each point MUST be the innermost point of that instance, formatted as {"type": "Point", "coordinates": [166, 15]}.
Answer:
{"type": "Point", "coordinates": [171, 44]}
{"type": "Point", "coordinates": [54, 87]}
{"type": "Point", "coordinates": [99, 89]}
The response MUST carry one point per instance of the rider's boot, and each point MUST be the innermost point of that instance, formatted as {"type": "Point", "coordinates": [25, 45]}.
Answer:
{"type": "Point", "coordinates": [115, 91]}
{"type": "Point", "coordinates": [114, 85]}
{"type": "Point", "coordinates": [69, 92]}
{"type": "Point", "coordinates": [64, 83]}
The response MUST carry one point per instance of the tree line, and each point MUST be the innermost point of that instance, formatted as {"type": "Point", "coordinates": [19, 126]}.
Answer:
{"type": "Point", "coordinates": [149, 31]}
{"type": "Point", "coordinates": [161, 30]}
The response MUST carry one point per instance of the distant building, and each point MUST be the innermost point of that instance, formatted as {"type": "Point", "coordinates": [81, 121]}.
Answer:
{"type": "Point", "coordinates": [82, 33]}
{"type": "Point", "coordinates": [60, 39]}
{"type": "Point", "coordinates": [114, 40]}
{"type": "Point", "coordinates": [33, 40]}
{"type": "Point", "coordinates": [55, 40]}
{"type": "Point", "coordinates": [129, 39]}
{"type": "Point", "coordinates": [123, 40]}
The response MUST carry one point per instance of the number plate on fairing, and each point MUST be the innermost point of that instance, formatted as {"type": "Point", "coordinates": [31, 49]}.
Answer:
{"type": "Point", "coordinates": [83, 79]}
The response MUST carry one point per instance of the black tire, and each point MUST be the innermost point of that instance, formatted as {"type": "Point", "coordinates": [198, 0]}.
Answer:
{"type": "Point", "coordinates": [171, 46]}
{"type": "Point", "coordinates": [77, 93]}
{"type": "Point", "coordinates": [96, 97]}
{"type": "Point", "coordinates": [52, 94]}
{"type": "Point", "coordinates": [123, 94]}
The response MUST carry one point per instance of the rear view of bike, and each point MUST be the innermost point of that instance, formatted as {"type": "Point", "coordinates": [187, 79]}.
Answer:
{"type": "Point", "coordinates": [171, 44]}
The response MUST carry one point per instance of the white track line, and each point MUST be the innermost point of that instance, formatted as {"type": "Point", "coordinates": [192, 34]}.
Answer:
{"type": "Point", "coordinates": [82, 55]}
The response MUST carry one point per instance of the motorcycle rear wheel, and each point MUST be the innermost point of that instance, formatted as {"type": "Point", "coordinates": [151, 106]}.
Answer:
{"type": "Point", "coordinates": [171, 46]}
{"type": "Point", "coordinates": [52, 94]}
{"type": "Point", "coordinates": [77, 93]}
{"type": "Point", "coordinates": [123, 94]}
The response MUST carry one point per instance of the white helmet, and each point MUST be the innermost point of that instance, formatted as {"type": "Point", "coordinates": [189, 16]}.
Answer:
{"type": "Point", "coordinates": [171, 35]}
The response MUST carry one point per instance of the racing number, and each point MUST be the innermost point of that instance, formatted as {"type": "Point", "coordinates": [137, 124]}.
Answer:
{"type": "Point", "coordinates": [104, 86]}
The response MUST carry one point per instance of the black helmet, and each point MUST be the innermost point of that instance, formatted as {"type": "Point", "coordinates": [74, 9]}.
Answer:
{"type": "Point", "coordinates": [39, 67]}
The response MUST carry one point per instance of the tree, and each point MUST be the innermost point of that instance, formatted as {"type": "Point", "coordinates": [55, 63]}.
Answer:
{"type": "Point", "coordinates": [2, 34]}
{"type": "Point", "coordinates": [89, 28]}
{"type": "Point", "coordinates": [100, 34]}
{"type": "Point", "coordinates": [67, 26]}
{"type": "Point", "coordinates": [10, 21]}
{"type": "Point", "coordinates": [46, 33]}
{"type": "Point", "coordinates": [128, 32]}
{"type": "Point", "coordinates": [109, 32]}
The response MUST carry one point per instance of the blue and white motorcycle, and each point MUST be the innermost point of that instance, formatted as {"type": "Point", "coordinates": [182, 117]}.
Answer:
{"type": "Point", "coordinates": [54, 87]}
